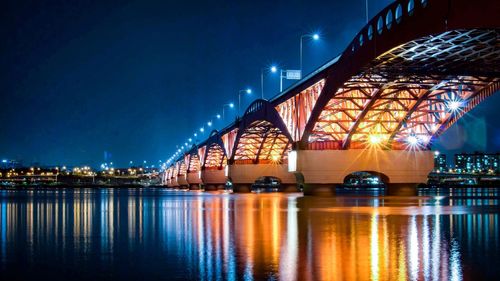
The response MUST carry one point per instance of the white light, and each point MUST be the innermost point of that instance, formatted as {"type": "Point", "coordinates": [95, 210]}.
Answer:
{"type": "Point", "coordinates": [202, 130]}
{"type": "Point", "coordinates": [249, 91]}
{"type": "Point", "coordinates": [4, 161]}
{"type": "Point", "coordinates": [412, 140]}
{"type": "Point", "coordinates": [231, 105]}
{"type": "Point", "coordinates": [218, 116]}
{"type": "Point", "coordinates": [190, 139]}
{"type": "Point", "coordinates": [315, 36]}
{"type": "Point", "coordinates": [454, 105]}
{"type": "Point", "coordinates": [436, 153]}
{"type": "Point", "coordinates": [374, 139]}
{"type": "Point", "coordinates": [209, 123]}
{"type": "Point", "coordinates": [274, 69]}
{"type": "Point", "coordinates": [425, 138]}
{"type": "Point", "coordinates": [292, 161]}
{"type": "Point", "coordinates": [195, 134]}
{"type": "Point", "coordinates": [186, 144]}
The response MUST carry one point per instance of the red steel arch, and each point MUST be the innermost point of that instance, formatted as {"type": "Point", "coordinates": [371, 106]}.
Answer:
{"type": "Point", "coordinates": [262, 136]}
{"type": "Point", "coordinates": [399, 76]}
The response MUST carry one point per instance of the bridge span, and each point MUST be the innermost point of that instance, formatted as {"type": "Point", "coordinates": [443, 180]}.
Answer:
{"type": "Point", "coordinates": [406, 77]}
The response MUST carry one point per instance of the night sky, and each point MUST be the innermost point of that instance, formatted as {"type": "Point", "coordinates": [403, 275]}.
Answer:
{"type": "Point", "coordinates": [137, 78]}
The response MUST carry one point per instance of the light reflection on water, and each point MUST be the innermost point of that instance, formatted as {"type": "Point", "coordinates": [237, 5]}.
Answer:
{"type": "Point", "coordinates": [159, 234]}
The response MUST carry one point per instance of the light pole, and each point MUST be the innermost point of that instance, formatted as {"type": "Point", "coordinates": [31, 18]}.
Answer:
{"type": "Point", "coordinates": [315, 37]}
{"type": "Point", "coordinates": [230, 105]}
{"type": "Point", "coordinates": [273, 69]}
{"type": "Point", "coordinates": [248, 91]}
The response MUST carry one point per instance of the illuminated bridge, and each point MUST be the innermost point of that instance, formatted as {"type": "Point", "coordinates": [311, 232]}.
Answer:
{"type": "Point", "coordinates": [406, 77]}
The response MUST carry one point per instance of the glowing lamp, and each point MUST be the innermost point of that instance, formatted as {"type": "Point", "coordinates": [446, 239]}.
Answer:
{"type": "Point", "coordinates": [315, 36]}
{"type": "Point", "coordinates": [374, 139]}
{"type": "Point", "coordinates": [412, 140]}
{"type": "Point", "coordinates": [454, 105]}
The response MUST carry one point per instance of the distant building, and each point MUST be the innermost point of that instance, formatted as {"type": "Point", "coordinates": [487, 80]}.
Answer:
{"type": "Point", "coordinates": [440, 162]}
{"type": "Point", "coordinates": [477, 162]}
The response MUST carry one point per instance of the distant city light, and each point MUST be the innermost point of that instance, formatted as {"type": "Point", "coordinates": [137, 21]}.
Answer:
{"type": "Point", "coordinates": [4, 160]}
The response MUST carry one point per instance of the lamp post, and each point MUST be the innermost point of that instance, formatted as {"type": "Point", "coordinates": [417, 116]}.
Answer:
{"type": "Point", "coordinates": [273, 69]}
{"type": "Point", "coordinates": [315, 37]}
{"type": "Point", "coordinates": [230, 105]}
{"type": "Point", "coordinates": [248, 91]}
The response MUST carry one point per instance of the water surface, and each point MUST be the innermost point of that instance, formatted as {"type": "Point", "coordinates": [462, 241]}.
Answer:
{"type": "Point", "coordinates": [158, 234]}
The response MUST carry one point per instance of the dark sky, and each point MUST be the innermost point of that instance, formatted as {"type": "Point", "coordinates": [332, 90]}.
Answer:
{"type": "Point", "coordinates": [137, 78]}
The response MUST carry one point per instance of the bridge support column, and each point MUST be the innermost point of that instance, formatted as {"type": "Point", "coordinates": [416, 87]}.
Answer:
{"type": "Point", "coordinates": [172, 183]}
{"type": "Point", "coordinates": [244, 175]}
{"type": "Point", "coordinates": [181, 180]}
{"type": "Point", "coordinates": [194, 180]}
{"type": "Point", "coordinates": [324, 169]}
{"type": "Point", "coordinates": [213, 179]}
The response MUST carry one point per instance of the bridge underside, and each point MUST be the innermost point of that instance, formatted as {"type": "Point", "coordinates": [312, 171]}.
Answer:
{"type": "Point", "coordinates": [412, 92]}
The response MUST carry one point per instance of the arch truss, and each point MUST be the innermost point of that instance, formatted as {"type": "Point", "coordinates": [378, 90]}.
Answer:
{"type": "Point", "coordinates": [261, 142]}
{"type": "Point", "coordinates": [413, 92]}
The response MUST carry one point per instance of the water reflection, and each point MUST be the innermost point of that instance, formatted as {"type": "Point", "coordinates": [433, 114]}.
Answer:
{"type": "Point", "coordinates": [158, 234]}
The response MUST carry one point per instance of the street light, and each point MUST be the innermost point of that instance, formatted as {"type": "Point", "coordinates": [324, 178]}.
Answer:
{"type": "Point", "coordinates": [272, 69]}
{"type": "Point", "coordinates": [248, 91]}
{"type": "Point", "coordinates": [315, 37]}
{"type": "Point", "coordinates": [230, 105]}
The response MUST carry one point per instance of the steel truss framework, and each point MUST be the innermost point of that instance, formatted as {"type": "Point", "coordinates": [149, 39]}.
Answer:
{"type": "Point", "coordinates": [194, 163]}
{"type": "Point", "coordinates": [408, 91]}
{"type": "Point", "coordinates": [262, 142]}
{"type": "Point", "coordinates": [296, 111]}
{"type": "Point", "coordinates": [216, 157]}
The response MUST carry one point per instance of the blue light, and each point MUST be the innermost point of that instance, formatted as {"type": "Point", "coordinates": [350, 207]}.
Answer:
{"type": "Point", "coordinates": [4, 161]}
{"type": "Point", "coordinates": [315, 36]}
{"type": "Point", "coordinates": [274, 69]}
{"type": "Point", "coordinates": [249, 91]}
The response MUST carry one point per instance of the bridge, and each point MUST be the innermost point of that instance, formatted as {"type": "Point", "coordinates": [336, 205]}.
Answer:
{"type": "Point", "coordinates": [406, 77]}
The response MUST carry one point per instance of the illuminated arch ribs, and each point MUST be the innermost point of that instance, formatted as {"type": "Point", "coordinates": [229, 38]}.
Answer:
{"type": "Point", "coordinates": [262, 136]}
{"type": "Point", "coordinates": [215, 157]}
{"type": "Point", "coordinates": [194, 163]}
{"type": "Point", "coordinates": [261, 142]}
{"type": "Point", "coordinates": [296, 110]}
{"type": "Point", "coordinates": [414, 91]}
{"type": "Point", "coordinates": [182, 168]}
